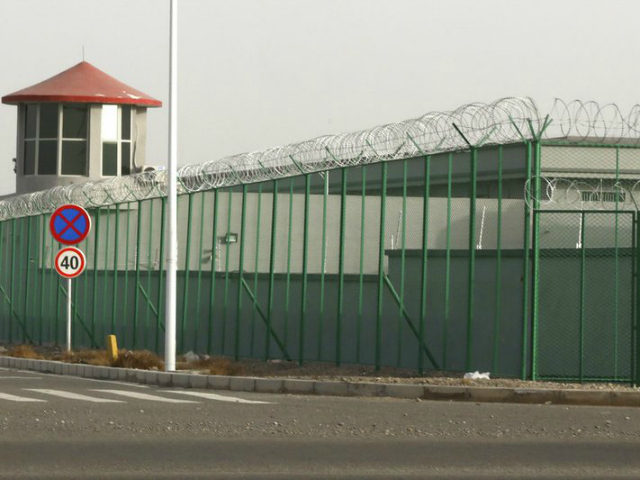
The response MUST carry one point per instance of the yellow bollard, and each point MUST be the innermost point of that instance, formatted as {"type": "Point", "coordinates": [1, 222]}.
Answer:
{"type": "Point", "coordinates": [112, 348]}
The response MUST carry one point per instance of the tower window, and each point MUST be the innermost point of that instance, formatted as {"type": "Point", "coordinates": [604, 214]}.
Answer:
{"type": "Point", "coordinates": [116, 140]}
{"type": "Point", "coordinates": [41, 139]}
{"type": "Point", "coordinates": [74, 140]}
{"type": "Point", "coordinates": [53, 131]}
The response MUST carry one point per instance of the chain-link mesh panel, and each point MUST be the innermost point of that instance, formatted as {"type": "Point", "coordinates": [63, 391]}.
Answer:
{"type": "Point", "coordinates": [583, 177]}
{"type": "Point", "coordinates": [585, 295]}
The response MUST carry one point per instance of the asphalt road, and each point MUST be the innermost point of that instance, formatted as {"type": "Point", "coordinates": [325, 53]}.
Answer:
{"type": "Point", "coordinates": [63, 427]}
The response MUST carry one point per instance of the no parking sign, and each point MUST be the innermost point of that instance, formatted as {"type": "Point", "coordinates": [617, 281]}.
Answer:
{"type": "Point", "coordinates": [70, 224]}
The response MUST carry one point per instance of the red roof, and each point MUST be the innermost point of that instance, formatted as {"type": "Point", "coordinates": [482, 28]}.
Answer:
{"type": "Point", "coordinates": [82, 83]}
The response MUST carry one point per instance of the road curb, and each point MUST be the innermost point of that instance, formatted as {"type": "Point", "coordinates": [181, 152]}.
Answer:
{"type": "Point", "coordinates": [332, 388]}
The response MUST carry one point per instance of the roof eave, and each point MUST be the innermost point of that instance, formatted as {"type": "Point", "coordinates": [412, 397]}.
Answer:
{"type": "Point", "coordinates": [17, 99]}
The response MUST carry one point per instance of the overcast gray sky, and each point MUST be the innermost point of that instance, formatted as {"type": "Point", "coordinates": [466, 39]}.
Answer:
{"type": "Point", "coordinates": [255, 74]}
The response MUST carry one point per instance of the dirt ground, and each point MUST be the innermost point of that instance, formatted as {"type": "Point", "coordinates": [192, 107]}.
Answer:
{"type": "Point", "coordinates": [312, 370]}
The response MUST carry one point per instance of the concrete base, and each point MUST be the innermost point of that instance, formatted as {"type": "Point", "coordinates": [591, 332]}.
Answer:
{"type": "Point", "coordinates": [333, 388]}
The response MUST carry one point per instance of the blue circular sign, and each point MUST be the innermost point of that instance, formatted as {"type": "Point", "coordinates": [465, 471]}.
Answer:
{"type": "Point", "coordinates": [70, 224]}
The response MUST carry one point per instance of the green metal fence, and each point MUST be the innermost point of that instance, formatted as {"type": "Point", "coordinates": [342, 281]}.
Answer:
{"type": "Point", "coordinates": [369, 264]}
{"type": "Point", "coordinates": [434, 262]}
{"type": "Point", "coordinates": [586, 312]}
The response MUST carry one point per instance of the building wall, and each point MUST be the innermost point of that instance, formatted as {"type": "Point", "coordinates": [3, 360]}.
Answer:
{"type": "Point", "coordinates": [204, 252]}
{"type": "Point", "coordinates": [590, 162]}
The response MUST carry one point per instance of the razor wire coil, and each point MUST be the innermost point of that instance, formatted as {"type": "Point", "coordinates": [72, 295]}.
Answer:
{"type": "Point", "coordinates": [507, 120]}
{"type": "Point", "coordinates": [572, 194]}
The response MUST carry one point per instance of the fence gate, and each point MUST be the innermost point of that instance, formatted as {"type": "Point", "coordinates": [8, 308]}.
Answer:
{"type": "Point", "coordinates": [584, 326]}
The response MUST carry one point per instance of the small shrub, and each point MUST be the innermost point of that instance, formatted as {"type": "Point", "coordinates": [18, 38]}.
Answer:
{"type": "Point", "coordinates": [24, 351]}
{"type": "Point", "coordinates": [142, 359]}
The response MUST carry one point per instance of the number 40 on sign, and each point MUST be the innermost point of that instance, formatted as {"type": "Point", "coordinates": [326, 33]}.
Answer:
{"type": "Point", "coordinates": [70, 262]}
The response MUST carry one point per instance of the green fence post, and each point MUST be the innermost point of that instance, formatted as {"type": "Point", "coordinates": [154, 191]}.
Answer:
{"type": "Point", "coordinates": [225, 303]}
{"type": "Point", "coordinates": [323, 260]}
{"type": "Point", "coordinates": [616, 274]}
{"type": "Point", "coordinates": [635, 364]}
{"type": "Point", "coordinates": [74, 314]}
{"type": "Point", "coordinates": [343, 219]}
{"type": "Point", "coordinates": [287, 294]}
{"type": "Point", "coordinates": [2, 269]}
{"type": "Point", "coordinates": [106, 269]}
{"type": "Point", "coordinates": [498, 293]}
{"type": "Point", "coordinates": [381, 273]}
{"type": "Point", "coordinates": [159, 317]}
{"type": "Point", "coordinates": [536, 260]}
{"type": "Point", "coordinates": [212, 285]}
{"type": "Point", "coordinates": [363, 204]}
{"type": "Point", "coordinates": [26, 281]}
{"type": "Point", "coordinates": [582, 296]}
{"type": "Point", "coordinates": [305, 254]}
{"type": "Point", "coordinates": [196, 322]}
{"type": "Point", "coordinates": [20, 280]}
{"type": "Point", "coordinates": [136, 292]}
{"type": "Point", "coordinates": [634, 298]}
{"type": "Point", "coordinates": [425, 246]}
{"type": "Point", "coordinates": [125, 313]}
{"type": "Point", "coordinates": [187, 261]}
{"type": "Point", "coordinates": [41, 264]}
{"type": "Point", "coordinates": [147, 294]}
{"type": "Point", "coordinates": [272, 268]}
{"type": "Point", "coordinates": [472, 256]}
{"type": "Point", "coordinates": [12, 277]}
{"type": "Point", "coordinates": [243, 216]}
{"type": "Point", "coordinates": [56, 282]}
{"type": "Point", "coordinates": [447, 273]}
{"type": "Point", "coordinates": [525, 273]}
{"type": "Point", "coordinates": [256, 267]}
{"type": "Point", "coordinates": [403, 264]}
{"type": "Point", "coordinates": [116, 248]}
{"type": "Point", "coordinates": [85, 288]}
{"type": "Point", "coordinates": [94, 304]}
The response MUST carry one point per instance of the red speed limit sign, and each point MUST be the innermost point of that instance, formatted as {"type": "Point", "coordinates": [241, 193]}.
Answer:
{"type": "Point", "coordinates": [70, 262]}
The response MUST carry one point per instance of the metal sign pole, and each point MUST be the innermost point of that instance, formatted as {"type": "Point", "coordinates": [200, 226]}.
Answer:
{"type": "Point", "coordinates": [172, 198]}
{"type": "Point", "coordinates": [68, 314]}
{"type": "Point", "coordinates": [70, 224]}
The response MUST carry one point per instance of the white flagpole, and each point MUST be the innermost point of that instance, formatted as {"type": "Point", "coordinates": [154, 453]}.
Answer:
{"type": "Point", "coordinates": [172, 198]}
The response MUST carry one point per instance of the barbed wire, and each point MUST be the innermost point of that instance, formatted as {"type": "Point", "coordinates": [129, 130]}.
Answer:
{"type": "Point", "coordinates": [503, 121]}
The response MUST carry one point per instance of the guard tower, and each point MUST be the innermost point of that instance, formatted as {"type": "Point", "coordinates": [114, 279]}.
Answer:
{"type": "Point", "coordinates": [79, 125]}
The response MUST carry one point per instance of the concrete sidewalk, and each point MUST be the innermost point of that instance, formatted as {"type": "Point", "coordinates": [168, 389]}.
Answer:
{"type": "Point", "coordinates": [333, 388]}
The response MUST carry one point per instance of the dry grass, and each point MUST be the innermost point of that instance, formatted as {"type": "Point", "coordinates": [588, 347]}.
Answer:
{"type": "Point", "coordinates": [142, 359]}
{"type": "Point", "coordinates": [23, 351]}
{"type": "Point", "coordinates": [89, 357]}
{"type": "Point", "coordinates": [212, 365]}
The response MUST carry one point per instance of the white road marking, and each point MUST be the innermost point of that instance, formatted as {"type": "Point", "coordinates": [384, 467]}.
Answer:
{"type": "Point", "coordinates": [143, 396]}
{"type": "Point", "coordinates": [17, 377]}
{"type": "Point", "coordinates": [20, 371]}
{"type": "Point", "coordinates": [215, 396]}
{"type": "Point", "coordinates": [72, 396]}
{"type": "Point", "coordinates": [15, 398]}
{"type": "Point", "coordinates": [115, 382]}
